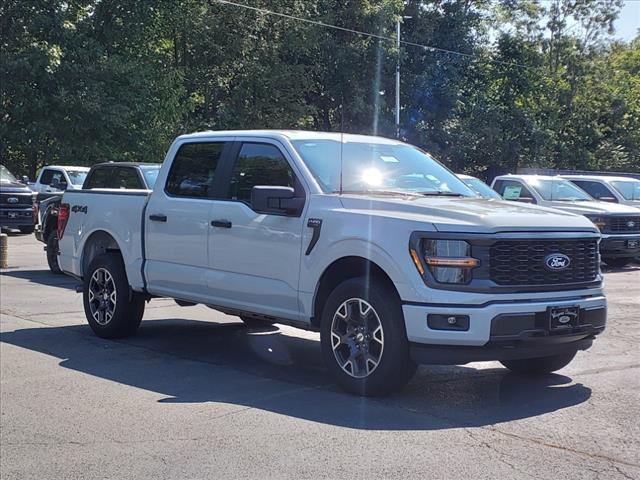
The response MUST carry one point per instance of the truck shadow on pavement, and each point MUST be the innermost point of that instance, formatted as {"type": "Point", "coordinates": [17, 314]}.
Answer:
{"type": "Point", "coordinates": [43, 277]}
{"type": "Point", "coordinates": [186, 361]}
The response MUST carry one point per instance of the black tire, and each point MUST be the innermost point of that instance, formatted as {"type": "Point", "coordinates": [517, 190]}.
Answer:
{"type": "Point", "coordinates": [123, 315]}
{"type": "Point", "coordinates": [52, 252]}
{"type": "Point", "coordinates": [255, 322]}
{"type": "Point", "coordinates": [394, 367]}
{"type": "Point", "coordinates": [539, 366]}
{"type": "Point", "coordinates": [617, 262]}
{"type": "Point", "coordinates": [27, 230]}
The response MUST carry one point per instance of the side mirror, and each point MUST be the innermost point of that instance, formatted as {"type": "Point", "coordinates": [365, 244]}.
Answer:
{"type": "Point", "coordinates": [279, 200]}
{"type": "Point", "coordinates": [25, 179]}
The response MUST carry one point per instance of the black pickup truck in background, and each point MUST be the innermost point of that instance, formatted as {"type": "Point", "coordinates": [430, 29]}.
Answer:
{"type": "Point", "coordinates": [113, 175]}
{"type": "Point", "coordinates": [16, 203]}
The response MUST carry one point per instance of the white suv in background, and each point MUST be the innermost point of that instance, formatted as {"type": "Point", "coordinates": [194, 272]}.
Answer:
{"type": "Point", "coordinates": [57, 178]}
{"type": "Point", "coordinates": [619, 224]}
{"type": "Point", "coordinates": [624, 190]}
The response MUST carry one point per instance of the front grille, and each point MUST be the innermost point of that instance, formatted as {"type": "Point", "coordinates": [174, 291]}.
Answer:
{"type": "Point", "coordinates": [522, 262]}
{"type": "Point", "coordinates": [22, 200]}
{"type": "Point", "coordinates": [624, 224]}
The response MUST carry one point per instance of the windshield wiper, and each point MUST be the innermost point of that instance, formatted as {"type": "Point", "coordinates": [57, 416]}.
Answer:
{"type": "Point", "coordinates": [377, 192]}
{"type": "Point", "coordinates": [440, 193]}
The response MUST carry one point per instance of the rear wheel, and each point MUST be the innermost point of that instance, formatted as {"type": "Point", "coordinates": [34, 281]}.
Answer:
{"type": "Point", "coordinates": [539, 366]}
{"type": "Point", "coordinates": [111, 308]}
{"type": "Point", "coordinates": [52, 252]}
{"type": "Point", "coordinates": [364, 341]}
{"type": "Point", "coordinates": [27, 230]}
{"type": "Point", "coordinates": [617, 262]}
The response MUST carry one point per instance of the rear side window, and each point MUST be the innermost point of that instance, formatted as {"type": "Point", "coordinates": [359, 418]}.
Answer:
{"type": "Point", "coordinates": [193, 170]}
{"type": "Point", "coordinates": [126, 178]}
{"type": "Point", "coordinates": [259, 164]}
{"type": "Point", "coordinates": [595, 189]}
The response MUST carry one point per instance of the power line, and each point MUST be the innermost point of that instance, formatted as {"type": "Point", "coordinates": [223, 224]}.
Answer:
{"type": "Point", "coordinates": [318, 23]}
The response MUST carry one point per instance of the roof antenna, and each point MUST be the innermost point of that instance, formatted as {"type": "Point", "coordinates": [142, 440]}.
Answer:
{"type": "Point", "coordinates": [341, 135]}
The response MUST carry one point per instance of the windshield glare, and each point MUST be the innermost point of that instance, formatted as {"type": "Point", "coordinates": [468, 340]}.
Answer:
{"type": "Point", "coordinates": [559, 190]}
{"type": "Point", "coordinates": [6, 176]}
{"type": "Point", "coordinates": [377, 167]}
{"type": "Point", "coordinates": [482, 188]}
{"type": "Point", "coordinates": [629, 189]}
{"type": "Point", "coordinates": [76, 176]}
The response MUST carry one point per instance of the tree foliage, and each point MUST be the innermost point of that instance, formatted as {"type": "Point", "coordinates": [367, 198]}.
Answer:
{"type": "Point", "coordinates": [540, 84]}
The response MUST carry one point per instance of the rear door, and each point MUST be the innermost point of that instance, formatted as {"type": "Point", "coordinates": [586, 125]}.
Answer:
{"type": "Point", "coordinates": [255, 257]}
{"type": "Point", "coordinates": [177, 222]}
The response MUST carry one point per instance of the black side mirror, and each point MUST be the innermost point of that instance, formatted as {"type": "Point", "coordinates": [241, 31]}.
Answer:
{"type": "Point", "coordinates": [278, 200]}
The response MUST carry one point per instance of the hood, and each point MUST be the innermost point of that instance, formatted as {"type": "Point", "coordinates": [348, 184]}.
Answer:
{"type": "Point", "coordinates": [595, 208]}
{"type": "Point", "coordinates": [474, 215]}
{"type": "Point", "coordinates": [14, 187]}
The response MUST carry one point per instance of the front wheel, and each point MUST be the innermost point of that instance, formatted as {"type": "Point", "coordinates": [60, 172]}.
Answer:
{"type": "Point", "coordinates": [363, 337]}
{"type": "Point", "coordinates": [111, 308]}
{"type": "Point", "coordinates": [52, 252]}
{"type": "Point", "coordinates": [539, 366]}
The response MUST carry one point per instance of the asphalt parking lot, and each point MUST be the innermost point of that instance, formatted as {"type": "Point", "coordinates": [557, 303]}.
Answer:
{"type": "Point", "coordinates": [197, 395]}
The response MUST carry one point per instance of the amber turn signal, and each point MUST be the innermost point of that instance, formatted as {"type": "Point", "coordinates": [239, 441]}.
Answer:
{"type": "Point", "coordinates": [465, 262]}
{"type": "Point", "coordinates": [416, 260]}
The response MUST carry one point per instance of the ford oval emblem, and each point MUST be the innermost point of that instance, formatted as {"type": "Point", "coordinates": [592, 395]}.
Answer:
{"type": "Point", "coordinates": [557, 261]}
{"type": "Point", "coordinates": [12, 200]}
{"type": "Point", "coordinates": [631, 224]}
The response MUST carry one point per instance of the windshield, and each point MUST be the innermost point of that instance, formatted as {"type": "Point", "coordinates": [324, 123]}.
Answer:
{"type": "Point", "coordinates": [482, 188]}
{"type": "Point", "coordinates": [629, 189]}
{"type": "Point", "coordinates": [6, 176]}
{"type": "Point", "coordinates": [150, 175]}
{"type": "Point", "coordinates": [559, 190]}
{"type": "Point", "coordinates": [378, 167]}
{"type": "Point", "coordinates": [76, 176]}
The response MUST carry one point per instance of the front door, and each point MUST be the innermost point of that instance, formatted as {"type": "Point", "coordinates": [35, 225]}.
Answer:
{"type": "Point", "coordinates": [178, 223]}
{"type": "Point", "coordinates": [255, 257]}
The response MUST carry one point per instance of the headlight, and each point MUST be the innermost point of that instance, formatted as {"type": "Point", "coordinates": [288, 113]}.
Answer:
{"type": "Point", "coordinates": [449, 261]}
{"type": "Point", "coordinates": [598, 221]}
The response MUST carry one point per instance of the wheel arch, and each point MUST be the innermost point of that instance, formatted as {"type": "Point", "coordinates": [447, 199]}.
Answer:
{"type": "Point", "coordinates": [97, 243]}
{"type": "Point", "coordinates": [343, 269]}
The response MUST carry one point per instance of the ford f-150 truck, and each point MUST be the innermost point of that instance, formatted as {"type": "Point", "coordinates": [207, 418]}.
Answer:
{"type": "Point", "coordinates": [618, 224]}
{"type": "Point", "coordinates": [369, 241]}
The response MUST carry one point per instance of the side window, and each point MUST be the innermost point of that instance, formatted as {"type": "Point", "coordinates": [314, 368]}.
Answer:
{"type": "Point", "coordinates": [513, 190]}
{"type": "Point", "coordinates": [57, 177]}
{"type": "Point", "coordinates": [47, 175]}
{"type": "Point", "coordinates": [595, 189]}
{"type": "Point", "coordinates": [259, 164]}
{"type": "Point", "coordinates": [101, 178]}
{"type": "Point", "coordinates": [193, 170]}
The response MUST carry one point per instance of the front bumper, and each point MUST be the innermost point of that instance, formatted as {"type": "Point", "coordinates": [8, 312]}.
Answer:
{"type": "Point", "coordinates": [17, 218]}
{"type": "Point", "coordinates": [501, 330]}
{"type": "Point", "coordinates": [618, 246]}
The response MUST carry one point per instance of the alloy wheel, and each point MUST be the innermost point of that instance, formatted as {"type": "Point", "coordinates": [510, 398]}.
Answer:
{"type": "Point", "coordinates": [102, 296]}
{"type": "Point", "coordinates": [357, 337]}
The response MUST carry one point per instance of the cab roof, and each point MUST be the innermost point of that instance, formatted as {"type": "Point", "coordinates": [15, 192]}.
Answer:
{"type": "Point", "coordinates": [292, 135]}
{"type": "Point", "coordinates": [606, 178]}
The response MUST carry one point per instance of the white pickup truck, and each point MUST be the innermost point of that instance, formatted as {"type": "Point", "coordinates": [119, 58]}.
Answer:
{"type": "Point", "coordinates": [369, 241]}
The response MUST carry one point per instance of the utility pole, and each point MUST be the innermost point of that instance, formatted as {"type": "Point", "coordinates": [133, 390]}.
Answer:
{"type": "Point", "coordinates": [398, 43]}
{"type": "Point", "coordinates": [398, 80]}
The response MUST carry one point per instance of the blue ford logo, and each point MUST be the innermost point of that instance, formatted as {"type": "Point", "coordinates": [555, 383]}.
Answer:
{"type": "Point", "coordinates": [557, 261]}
